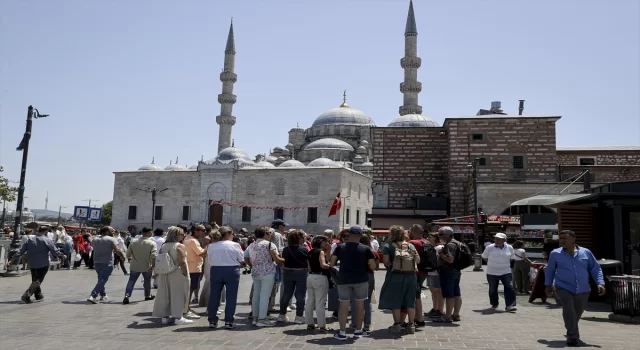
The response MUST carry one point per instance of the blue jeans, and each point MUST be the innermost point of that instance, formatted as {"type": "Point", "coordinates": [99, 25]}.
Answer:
{"type": "Point", "coordinates": [367, 303]}
{"type": "Point", "coordinates": [67, 262]}
{"type": "Point", "coordinates": [133, 278]}
{"type": "Point", "coordinates": [509, 294]}
{"type": "Point", "coordinates": [104, 272]}
{"type": "Point", "coordinates": [294, 281]}
{"type": "Point", "coordinates": [223, 276]}
{"type": "Point", "coordinates": [262, 287]}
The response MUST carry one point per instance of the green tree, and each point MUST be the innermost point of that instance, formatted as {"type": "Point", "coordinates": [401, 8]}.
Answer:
{"type": "Point", "coordinates": [107, 211]}
{"type": "Point", "coordinates": [7, 193]}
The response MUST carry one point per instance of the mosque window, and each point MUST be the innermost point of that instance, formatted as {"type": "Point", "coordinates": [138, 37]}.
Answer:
{"type": "Point", "coordinates": [359, 192]}
{"type": "Point", "coordinates": [186, 213]}
{"type": "Point", "coordinates": [313, 187]}
{"type": "Point", "coordinates": [186, 189]}
{"type": "Point", "coordinates": [278, 214]}
{"type": "Point", "coordinates": [278, 187]}
{"type": "Point", "coordinates": [158, 212]}
{"type": "Point", "coordinates": [133, 212]}
{"type": "Point", "coordinates": [251, 187]}
{"type": "Point", "coordinates": [312, 215]}
{"type": "Point", "coordinates": [518, 162]}
{"type": "Point", "coordinates": [246, 214]}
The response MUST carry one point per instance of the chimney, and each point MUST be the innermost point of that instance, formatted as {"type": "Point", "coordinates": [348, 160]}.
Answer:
{"type": "Point", "coordinates": [521, 107]}
{"type": "Point", "coordinates": [496, 107]}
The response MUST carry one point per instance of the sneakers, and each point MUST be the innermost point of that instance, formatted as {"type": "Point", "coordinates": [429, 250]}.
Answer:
{"type": "Point", "coordinates": [183, 321]}
{"type": "Point", "coordinates": [511, 308]}
{"type": "Point", "coordinates": [289, 309]}
{"type": "Point", "coordinates": [150, 297]}
{"type": "Point", "coordinates": [340, 335]}
{"type": "Point", "coordinates": [165, 320]}
{"type": "Point", "coordinates": [300, 320]}
{"type": "Point", "coordinates": [92, 300]}
{"type": "Point", "coordinates": [26, 299]}
{"type": "Point", "coordinates": [367, 328]}
{"type": "Point", "coordinates": [264, 323]}
{"type": "Point", "coordinates": [213, 324]}
{"type": "Point", "coordinates": [39, 296]}
{"type": "Point", "coordinates": [361, 333]}
{"type": "Point", "coordinates": [195, 300]}
{"type": "Point", "coordinates": [219, 312]}
{"type": "Point", "coordinates": [104, 298]}
{"type": "Point", "coordinates": [229, 326]}
{"type": "Point", "coordinates": [191, 315]}
{"type": "Point", "coordinates": [125, 301]}
{"type": "Point", "coordinates": [292, 307]}
{"type": "Point", "coordinates": [282, 318]}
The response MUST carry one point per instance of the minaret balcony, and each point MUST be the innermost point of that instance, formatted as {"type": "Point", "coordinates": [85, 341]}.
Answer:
{"type": "Point", "coordinates": [415, 109]}
{"type": "Point", "coordinates": [226, 120]}
{"type": "Point", "coordinates": [227, 99]}
{"type": "Point", "coordinates": [227, 77]}
{"type": "Point", "coordinates": [411, 62]}
{"type": "Point", "coordinates": [411, 87]}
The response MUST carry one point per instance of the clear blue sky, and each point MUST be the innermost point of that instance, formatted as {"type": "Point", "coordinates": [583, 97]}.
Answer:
{"type": "Point", "coordinates": [125, 81]}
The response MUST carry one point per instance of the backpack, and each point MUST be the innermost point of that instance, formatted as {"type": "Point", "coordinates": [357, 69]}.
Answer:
{"type": "Point", "coordinates": [464, 257]}
{"type": "Point", "coordinates": [164, 263]}
{"type": "Point", "coordinates": [403, 260]}
{"type": "Point", "coordinates": [428, 257]}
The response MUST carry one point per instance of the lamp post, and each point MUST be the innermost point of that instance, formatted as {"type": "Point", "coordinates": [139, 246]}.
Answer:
{"type": "Point", "coordinates": [154, 192]}
{"type": "Point", "coordinates": [32, 113]}
{"type": "Point", "coordinates": [59, 213]}
{"type": "Point", "coordinates": [477, 258]}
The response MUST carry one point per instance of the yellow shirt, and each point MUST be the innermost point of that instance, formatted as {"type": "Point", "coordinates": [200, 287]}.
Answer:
{"type": "Point", "coordinates": [194, 260]}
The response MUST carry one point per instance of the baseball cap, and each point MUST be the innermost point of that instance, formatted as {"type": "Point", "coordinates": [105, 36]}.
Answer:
{"type": "Point", "coordinates": [500, 235]}
{"type": "Point", "coordinates": [278, 222]}
{"type": "Point", "coordinates": [355, 230]}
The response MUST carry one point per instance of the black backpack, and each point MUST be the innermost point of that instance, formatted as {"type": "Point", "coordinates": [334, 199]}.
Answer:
{"type": "Point", "coordinates": [428, 258]}
{"type": "Point", "coordinates": [464, 258]}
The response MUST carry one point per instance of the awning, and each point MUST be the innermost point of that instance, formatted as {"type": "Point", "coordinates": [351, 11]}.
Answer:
{"type": "Point", "coordinates": [550, 199]}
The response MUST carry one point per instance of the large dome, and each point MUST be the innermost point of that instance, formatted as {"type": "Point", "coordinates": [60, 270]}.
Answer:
{"type": "Point", "coordinates": [232, 153]}
{"type": "Point", "coordinates": [344, 115]}
{"type": "Point", "coordinates": [328, 143]}
{"type": "Point", "coordinates": [413, 121]}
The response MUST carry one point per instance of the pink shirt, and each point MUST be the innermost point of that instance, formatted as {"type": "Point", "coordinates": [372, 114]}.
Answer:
{"type": "Point", "coordinates": [194, 260]}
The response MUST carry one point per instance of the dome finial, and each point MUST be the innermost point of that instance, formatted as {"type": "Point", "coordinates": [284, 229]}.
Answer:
{"type": "Point", "coordinates": [344, 99]}
{"type": "Point", "coordinates": [176, 160]}
{"type": "Point", "coordinates": [297, 125]}
{"type": "Point", "coordinates": [233, 143]}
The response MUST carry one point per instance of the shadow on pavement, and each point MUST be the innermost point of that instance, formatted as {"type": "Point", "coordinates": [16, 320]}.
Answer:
{"type": "Point", "coordinates": [598, 319]}
{"type": "Point", "coordinates": [558, 344]}
{"type": "Point", "coordinates": [150, 325]}
{"type": "Point", "coordinates": [77, 302]}
{"type": "Point", "coordinates": [330, 341]}
{"type": "Point", "coordinates": [441, 324]}
{"type": "Point", "coordinates": [143, 314]}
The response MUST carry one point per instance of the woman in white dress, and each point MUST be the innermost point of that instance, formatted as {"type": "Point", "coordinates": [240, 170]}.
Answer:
{"type": "Point", "coordinates": [173, 288]}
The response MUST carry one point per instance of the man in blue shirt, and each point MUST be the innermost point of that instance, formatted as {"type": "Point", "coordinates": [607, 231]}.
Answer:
{"type": "Point", "coordinates": [570, 267]}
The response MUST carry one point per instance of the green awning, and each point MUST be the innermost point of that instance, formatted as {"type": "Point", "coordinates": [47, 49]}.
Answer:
{"type": "Point", "coordinates": [550, 199]}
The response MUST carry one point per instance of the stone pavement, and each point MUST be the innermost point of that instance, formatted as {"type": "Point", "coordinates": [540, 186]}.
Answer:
{"type": "Point", "coordinates": [65, 320]}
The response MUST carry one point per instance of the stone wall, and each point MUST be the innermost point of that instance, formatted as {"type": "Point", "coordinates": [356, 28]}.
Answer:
{"type": "Point", "coordinates": [610, 166]}
{"type": "Point", "coordinates": [502, 138]}
{"type": "Point", "coordinates": [603, 157]}
{"type": "Point", "coordinates": [409, 163]}
{"type": "Point", "coordinates": [494, 197]}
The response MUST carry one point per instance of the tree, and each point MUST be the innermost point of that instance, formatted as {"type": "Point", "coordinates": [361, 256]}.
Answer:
{"type": "Point", "coordinates": [7, 193]}
{"type": "Point", "coordinates": [107, 211]}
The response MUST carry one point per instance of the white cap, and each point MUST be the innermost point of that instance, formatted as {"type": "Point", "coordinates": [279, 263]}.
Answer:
{"type": "Point", "coordinates": [500, 235]}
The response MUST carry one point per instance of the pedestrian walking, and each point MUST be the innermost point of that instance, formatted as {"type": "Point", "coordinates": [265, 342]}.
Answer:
{"type": "Point", "coordinates": [104, 246]}
{"type": "Point", "coordinates": [569, 267]}
{"type": "Point", "coordinates": [141, 254]}
{"type": "Point", "coordinates": [498, 257]}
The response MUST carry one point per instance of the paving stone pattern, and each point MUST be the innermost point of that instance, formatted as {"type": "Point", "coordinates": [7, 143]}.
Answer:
{"type": "Point", "coordinates": [64, 320]}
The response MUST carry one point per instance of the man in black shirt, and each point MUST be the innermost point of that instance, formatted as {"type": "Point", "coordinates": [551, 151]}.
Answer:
{"type": "Point", "coordinates": [449, 275]}
{"type": "Point", "coordinates": [353, 279]}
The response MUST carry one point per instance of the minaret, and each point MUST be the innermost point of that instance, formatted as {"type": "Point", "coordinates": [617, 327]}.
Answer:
{"type": "Point", "coordinates": [227, 99]}
{"type": "Point", "coordinates": [410, 88]}
{"type": "Point", "coordinates": [46, 201]}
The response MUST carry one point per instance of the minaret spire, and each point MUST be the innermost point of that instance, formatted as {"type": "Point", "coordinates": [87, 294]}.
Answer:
{"type": "Point", "coordinates": [410, 88]}
{"type": "Point", "coordinates": [227, 99]}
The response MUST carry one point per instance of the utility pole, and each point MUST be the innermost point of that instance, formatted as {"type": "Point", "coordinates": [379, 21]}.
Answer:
{"type": "Point", "coordinates": [88, 200]}
{"type": "Point", "coordinates": [154, 192]}
{"type": "Point", "coordinates": [59, 213]}
{"type": "Point", "coordinates": [32, 113]}
{"type": "Point", "coordinates": [477, 258]}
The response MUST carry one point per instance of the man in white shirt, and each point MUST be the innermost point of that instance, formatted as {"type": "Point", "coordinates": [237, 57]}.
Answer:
{"type": "Point", "coordinates": [498, 257]}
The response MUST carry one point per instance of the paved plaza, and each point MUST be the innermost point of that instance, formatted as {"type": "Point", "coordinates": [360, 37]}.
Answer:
{"type": "Point", "coordinates": [64, 320]}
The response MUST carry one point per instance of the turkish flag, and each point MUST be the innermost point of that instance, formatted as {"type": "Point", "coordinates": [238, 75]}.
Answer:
{"type": "Point", "coordinates": [337, 204]}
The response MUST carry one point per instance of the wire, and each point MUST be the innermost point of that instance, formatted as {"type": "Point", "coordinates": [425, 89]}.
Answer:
{"type": "Point", "coordinates": [574, 181]}
{"type": "Point", "coordinates": [558, 184]}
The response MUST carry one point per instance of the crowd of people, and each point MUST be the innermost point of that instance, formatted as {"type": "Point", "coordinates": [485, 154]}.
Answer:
{"type": "Point", "coordinates": [202, 266]}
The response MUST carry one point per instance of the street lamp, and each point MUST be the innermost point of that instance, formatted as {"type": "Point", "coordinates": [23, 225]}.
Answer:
{"type": "Point", "coordinates": [59, 213]}
{"type": "Point", "coordinates": [477, 258]}
{"type": "Point", "coordinates": [32, 113]}
{"type": "Point", "coordinates": [154, 192]}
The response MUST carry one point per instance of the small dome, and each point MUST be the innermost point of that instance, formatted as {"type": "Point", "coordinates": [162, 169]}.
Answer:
{"type": "Point", "coordinates": [271, 159]}
{"type": "Point", "coordinates": [263, 164]}
{"type": "Point", "coordinates": [328, 143]}
{"type": "Point", "coordinates": [414, 120]}
{"type": "Point", "coordinates": [281, 158]}
{"type": "Point", "coordinates": [277, 149]}
{"type": "Point", "coordinates": [193, 167]}
{"type": "Point", "coordinates": [357, 157]}
{"type": "Point", "coordinates": [361, 149]}
{"type": "Point", "coordinates": [366, 164]}
{"type": "Point", "coordinates": [175, 166]}
{"type": "Point", "coordinates": [364, 143]}
{"type": "Point", "coordinates": [150, 167]}
{"type": "Point", "coordinates": [286, 152]}
{"type": "Point", "coordinates": [232, 153]}
{"type": "Point", "coordinates": [289, 145]}
{"type": "Point", "coordinates": [291, 163]}
{"type": "Point", "coordinates": [322, 162]}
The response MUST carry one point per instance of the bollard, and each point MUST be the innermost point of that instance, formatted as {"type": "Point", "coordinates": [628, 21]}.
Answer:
{"type": "Point", "coordinates": [477, 260]}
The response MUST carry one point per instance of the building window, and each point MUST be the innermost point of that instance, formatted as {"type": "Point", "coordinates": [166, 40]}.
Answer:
{"type": "Point", "coordinates": [278, 187]}
{"type": "Point", "coordinates": [483, 161]}
{"type": "Point", "coordinates": [367, 220]}
{"type": "Point", "coordinates": [411, 203]}
{"type": "Point", "coordinates": [347, 219]}
{"type": "Point", "coordinates": [312, 187]}
{"type": "Point", "coordinates": [478, 137]}
{"type": "Point", "coordinates": [158, 213]}
{"type": "Point", "coordinates": [586, 161]}
{"type": "Point", "coordinates": [357, 217]}
{"type": "Point", "coordinates": [518, 162]}
{"type": "Point", "coordinates": [186, 213]}
{"type": "Point", "coordinates": [312, 215]}
{"type": "Point", "coordinates": [186, 189]}
{"type": "Point", "coordinates": [133, 212]}
{"type": "Point", "coordinates": [246, 214]}
{"type": "Point", "coordinates": [359, 192]}
{"type": "Point", "coordinates": [278, 214]}
{"type": "Point", "coordinates": [251, 187]}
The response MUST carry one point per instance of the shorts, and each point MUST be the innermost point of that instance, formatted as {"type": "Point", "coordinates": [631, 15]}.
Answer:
{"type": "Point", "coordinates": [195, 279]}
{"type": "Point", "coordinates": [420, 279]}
{"type": "Point", "coordinates": [433, 281]}
{"type": "Point", "coordinates": [356, 291]}
{"type": "Point", "coordinates": [450, 283]}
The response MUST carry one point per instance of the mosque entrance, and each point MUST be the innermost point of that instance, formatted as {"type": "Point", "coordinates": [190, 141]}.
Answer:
{"type": "Point", "coordinates": [215, 214]}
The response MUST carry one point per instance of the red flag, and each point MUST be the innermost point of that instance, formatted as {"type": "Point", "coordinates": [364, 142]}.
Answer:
{"type": "Point", "coordinates": [337, 204]}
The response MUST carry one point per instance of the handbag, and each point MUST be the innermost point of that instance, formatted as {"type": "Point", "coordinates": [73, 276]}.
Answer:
{"type": "Point", "coordinates": [165, 264]}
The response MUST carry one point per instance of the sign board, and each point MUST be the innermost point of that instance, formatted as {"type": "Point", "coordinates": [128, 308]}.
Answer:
{"type": "Point", "coordinates": [95, 214]}
{"type": "Point", "coordinates": [81, 212]}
